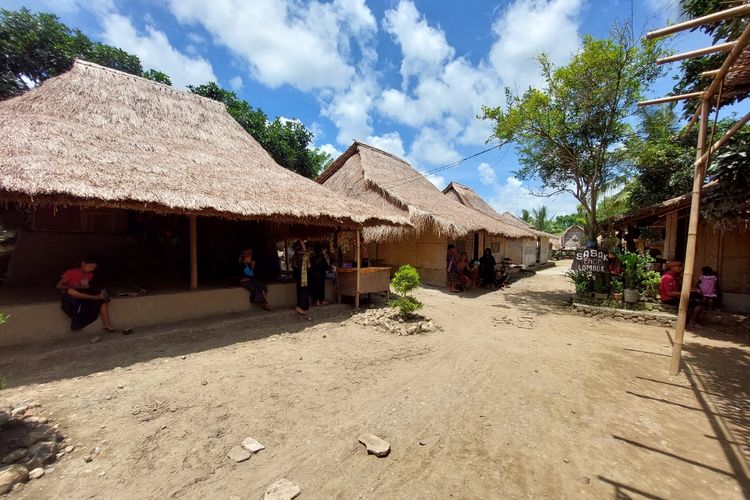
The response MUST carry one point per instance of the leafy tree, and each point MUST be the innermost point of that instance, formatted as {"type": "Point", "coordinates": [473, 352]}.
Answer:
{"type": "Point", "coordinates": [34, 47]}
{"type": "Point", "coordinates": [157, 76]}
{"type": "Point", "coordinates": [287, 141]}
{"type": "Point", "coordinates": [538, 219]}
{"type": "Point", "coordinates": [728, 203]}
{"type": "Point", "coordinates": [569, 133]}
{"type": "Point", "coordinates": [563, 222]}
{"type": "Point", "coordinates": [729, 29]}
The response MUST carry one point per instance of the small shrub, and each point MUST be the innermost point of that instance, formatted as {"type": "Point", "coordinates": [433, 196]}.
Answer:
{"type": "Point", "coordinates": [616, 285]}
{"type": "Point", "coordinates": [582, 280]}
{"type": "Point", "coordinates": [650, 283]}
{"type": "Point", "coordinates": [404, 281]}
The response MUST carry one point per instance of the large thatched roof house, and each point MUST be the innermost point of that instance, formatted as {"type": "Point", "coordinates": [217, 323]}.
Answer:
{"type": "Point", "coordinates": [529, 250]}
{"type": "Point", "coordinates": [89, 150]}
{"type": "Point", "coordinates": [396, 188]}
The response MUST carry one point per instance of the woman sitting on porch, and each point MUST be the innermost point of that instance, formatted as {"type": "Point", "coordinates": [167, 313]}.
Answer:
{"type": "Point", "coordinates": [257, 288]}
{"type": "Point", "coordinates": [82, 300]}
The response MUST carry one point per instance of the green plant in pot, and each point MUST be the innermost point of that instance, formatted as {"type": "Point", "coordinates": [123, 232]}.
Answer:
{"type": "Point", "coordinates": [634, 272]}
{"type": "Point", "coordinates": [616, 287]}
{"type": "Point", "coordinates": [650, 284]}
{"type": "Point", "coordinates": [583, 282]}
{"type": "Point", "coordinates": [601, 290]}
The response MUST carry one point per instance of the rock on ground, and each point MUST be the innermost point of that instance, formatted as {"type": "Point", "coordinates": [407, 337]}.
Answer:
{"type": "Point", "coordinates": [252, 445]}
{"type": "Point", "coordinates": [239, 454]}
{"type": "Point", "coordinates": [283, 489]}
{"type": "Point", "coordinates": [375, 445]}
{"type": "Point", "coordinates": [12, 475]}
{"type": "Point", "coordinates": [36, 473]}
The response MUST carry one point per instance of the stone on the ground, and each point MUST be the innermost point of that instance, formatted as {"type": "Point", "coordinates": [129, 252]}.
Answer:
{"type": "Point", "coordinates": [584, 480]}
{"type": "Point", "coordinates": [34, 437]}
{"type": "Point", "coordinates": [36, 473]}
{"type": "Point", "coordinates": [375, 445]}
{"type": "Point", "coordinates": [283, 489]}
{"type": "Point", "coordinates": [252, 445]}
{"type": "Point", "coordinates": [12, 475]}
{"type": "Point", "coordinates": [19, 411]}
{"type": "Point", "coordinates": [15, 456]}
{"type": "Point", "coordinates": [69, 449]}
{"type": "Point", "coordinates": [239, 454]}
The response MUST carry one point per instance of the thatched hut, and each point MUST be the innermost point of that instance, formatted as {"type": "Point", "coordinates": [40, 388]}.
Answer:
{"type": "Point", "coordinates": [395, 188]}
{"type": "Point", "coordinates": [531, 249]}
{"type": "Point", "coordinates": [100, 161]}
{"type": "Point", "coordinates": [573, 237]}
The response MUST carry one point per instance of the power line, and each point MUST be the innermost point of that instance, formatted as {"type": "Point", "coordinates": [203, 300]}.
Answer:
{"type": "Point", "coordinates": [419, 175]}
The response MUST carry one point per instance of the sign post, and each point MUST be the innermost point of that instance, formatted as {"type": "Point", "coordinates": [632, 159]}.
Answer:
{"type": "Point", "coordinates": [590, 260]}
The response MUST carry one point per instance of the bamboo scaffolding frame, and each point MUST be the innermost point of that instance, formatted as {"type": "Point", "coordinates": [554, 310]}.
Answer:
{"type": "Point", "coordinates": [698, 21]}
{"type": "Point", "coordinates": [703, 158]}
{"type": "Point", "coordinates": [721, 47]}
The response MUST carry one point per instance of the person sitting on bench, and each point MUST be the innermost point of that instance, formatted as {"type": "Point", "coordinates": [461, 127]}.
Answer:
{"type": "Point", "coordinates": [82, 300]}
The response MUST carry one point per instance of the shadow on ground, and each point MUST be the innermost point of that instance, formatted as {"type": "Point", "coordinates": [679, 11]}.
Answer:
{"type": "Point", "coordinates": [718, 378]}
{"type": "Point", "coordinates": [78, 356]}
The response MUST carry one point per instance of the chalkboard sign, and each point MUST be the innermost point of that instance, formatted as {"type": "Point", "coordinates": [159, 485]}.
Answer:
{"type": "Point", "coordinates": [591, 260]}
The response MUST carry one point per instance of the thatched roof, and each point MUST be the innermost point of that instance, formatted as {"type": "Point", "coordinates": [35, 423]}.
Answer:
{"type": "Point", "coordinates": [395, 187]}
{"type": "Point", "coordinates": [94, 136]}
{"type": "Point", "coordinates": [467, 196]}
{"type": "Point", "coordinates": [658, 209]}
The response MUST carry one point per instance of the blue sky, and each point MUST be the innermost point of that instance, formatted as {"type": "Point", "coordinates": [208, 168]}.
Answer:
{"type": "Point", "coordinates": [408, 76]}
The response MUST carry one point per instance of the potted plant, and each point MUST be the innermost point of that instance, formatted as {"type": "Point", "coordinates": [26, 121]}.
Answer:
{"type": "Point", "coordinates": [600, 289]}
{"type": "Point", "coordinates": [616, 286]}
{"type": "Point", "coordinates": [630, 273]}
{"type": "Point", "coordinates": [650, 283]}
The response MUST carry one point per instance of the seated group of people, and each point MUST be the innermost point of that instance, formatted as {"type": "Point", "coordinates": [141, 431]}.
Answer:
{"type": "Point", "coordinates": [465, 274]}
{"type": "Point", "coordinates": [704, 295]}
{"type": "Point", "coordinates": [84, 300]}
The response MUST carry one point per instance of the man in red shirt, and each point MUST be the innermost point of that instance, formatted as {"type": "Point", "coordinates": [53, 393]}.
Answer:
{"type": "Point", "coordinates": [670, 289]}
{"type": "Point", "coordinates": [82, 300]}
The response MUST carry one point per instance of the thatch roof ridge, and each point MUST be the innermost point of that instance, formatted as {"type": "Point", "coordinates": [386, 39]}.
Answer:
{"type": "Point", "coordinates": [404, 187]}
{"type": "Point", "coordinates": [100, 137]}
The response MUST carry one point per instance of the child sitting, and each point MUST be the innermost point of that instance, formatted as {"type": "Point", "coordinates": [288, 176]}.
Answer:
{"type": "Point", "coordinates": [708, 285]}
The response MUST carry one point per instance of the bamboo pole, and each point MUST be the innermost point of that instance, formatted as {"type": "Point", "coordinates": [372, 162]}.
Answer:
{"type": "Point", "coordinates": [720, 47]}
{"type": "Point", "coordinates": [686, 130]}
{"type": "Point", "coordinates": [728, 135]}
{"type": "Point", "coordinates": [698, 21]}
{"type": "Point", "coordinates": [286, 255]}
{"type": "Point", "coordinates": [733, 69]}
{"type": "Point", "coordinates": [739, 46]}
{"type": "Point", "coordinates": [671, 98]}
{"type": "Point", "coordinates": [193, 252]}
{"type": "Point", "coordinates": [687, 276]}
{"type": "Point", "coordinates": [359, 269]}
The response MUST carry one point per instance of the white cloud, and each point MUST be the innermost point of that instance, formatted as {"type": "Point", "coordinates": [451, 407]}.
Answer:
{"type": "Point", "coordinates": [350, 110]}
{"type": "Point", "coordinates": [437, 180]}
{"type": "Point", "coordinates": [72, 6]}
{"type": "Point", "coordinates": [512, 196]}
{"type": "Point", "coordinates": [236, 83]}
{"type": "Point", "coordinates": [331, 150]}
{"type": "Point", "coordinates": [529, 27]}
{"type": "Point", "coordinates": [390, 142]}
{"type": "Point", "coordinates": [432, 146]}
{"type": "Point", "coordinates": [486, 174]}
{"type": "Point", "coordinates": [284, 41]}
{"type": "Point", "coordinates": [424, 48]}
{"type": "Point", "coordinates": [156, 52]}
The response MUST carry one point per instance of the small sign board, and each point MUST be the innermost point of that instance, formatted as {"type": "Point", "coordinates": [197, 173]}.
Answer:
{"type": "Point", "coordinates": [590, 260]}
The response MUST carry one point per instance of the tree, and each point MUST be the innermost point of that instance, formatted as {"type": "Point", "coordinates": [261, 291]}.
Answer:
{"type": "Point", "coordinates": [287, 141]}
{"type": "Point", "coordinates": [34, 47]}
{"type": "Point", "coordinates": [570, 133]}
{"type": "Point", "coordinates": [157, 76]}
{"type": "Point", "coordinates": [538, 219]}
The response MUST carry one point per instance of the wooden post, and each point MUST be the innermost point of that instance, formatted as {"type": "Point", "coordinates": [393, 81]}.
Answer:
{"type": "Point", "coordinates": [359, 268]}
{"type": "Point", "coordinates": [286, 255]}
{"type": "Point", "coordinates": [687, 277]}
{"type": "Point", "coordinates": [193, 252]}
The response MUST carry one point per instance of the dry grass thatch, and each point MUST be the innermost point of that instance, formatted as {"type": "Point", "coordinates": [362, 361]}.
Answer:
{"type": "Point", "coordinates": [469, 197]}
{"type": "Point", "coordinates": [396, 188]}
{"type": "Point", "coordinates": [99, 137]}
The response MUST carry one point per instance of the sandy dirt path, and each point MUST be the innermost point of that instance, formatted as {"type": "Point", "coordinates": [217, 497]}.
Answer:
{"type": "Point", "coordinates": [514, 398]}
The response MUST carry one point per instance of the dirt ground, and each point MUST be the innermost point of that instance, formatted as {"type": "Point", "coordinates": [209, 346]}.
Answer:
{"type": "Point", "coordinates": [514, 398]}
